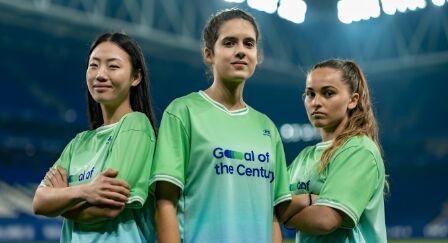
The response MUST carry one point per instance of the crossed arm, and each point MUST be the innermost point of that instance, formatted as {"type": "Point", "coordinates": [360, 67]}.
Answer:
{"type": "Point", "coordinates": [103, 198]}
{"type": "Point", "coordinates": [301, 214]}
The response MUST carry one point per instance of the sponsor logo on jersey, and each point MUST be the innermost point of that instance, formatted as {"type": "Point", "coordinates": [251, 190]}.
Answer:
{"type": "Point", "coordinates": [220, 153]}
{"type": "Point", "coordinates": [246, 164]}
{"type": "Point", "coordinates": [85, 175]}
{"type": "Point", "coordinates": [300, 186]}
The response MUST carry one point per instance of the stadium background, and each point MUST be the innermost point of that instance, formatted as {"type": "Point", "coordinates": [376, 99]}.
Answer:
{"type": "Point", "coordinates": [43, 46]}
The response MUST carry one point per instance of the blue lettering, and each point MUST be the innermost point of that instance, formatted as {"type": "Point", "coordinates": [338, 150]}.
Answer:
{"type": "Point", "coordinates": [255, 172]}
{"type": "Point", "coordinates": [223, 169]}
{"type": "Point", "coordinates": [217, 153]}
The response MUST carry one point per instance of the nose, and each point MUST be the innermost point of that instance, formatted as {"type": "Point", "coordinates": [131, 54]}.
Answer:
{"type": "Point", "coordinates": [316, 101]}
{"type": "Point", "coordinates": [101, 74]}
{"type": "Point", "coordinates": [240, 55]}
{"type": "Point", "coordinates": [239, 51]}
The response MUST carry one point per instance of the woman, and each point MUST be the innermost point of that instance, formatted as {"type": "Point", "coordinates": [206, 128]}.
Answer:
{"type": "Point", "coordinates": [100, 182]}
{"type": "Point", "coordinates": [219, 164]}
{"type": "Point", "coordinates": [338, 183]}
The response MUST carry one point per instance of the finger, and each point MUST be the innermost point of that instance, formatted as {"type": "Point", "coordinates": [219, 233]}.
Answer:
{"type": "Point", "coordinates": [118, 182]}
{"type": "Point", "coordinates": [57, 176]}
{"type": "Point", "coordinates": [47, 180]}
{"type": "Point", "coordinates": [118, 189]}
{"type": "Point", "coordinates": [53, 179]}
{"type": "Point", "coordinates": [63, 174]}
{"type": "Point", "coordinates": [111, 202]}
{"type": "Point", "coordinates": [115, 196]}
{"type": "Point", "coordinates": [110, 173]}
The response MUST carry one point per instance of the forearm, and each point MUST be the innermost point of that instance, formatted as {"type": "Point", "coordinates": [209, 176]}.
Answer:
{"type": "Point", "coordinates": [316, 220]}
{"type": "Point", "coordinates": [276, 231]}
{"type": "Point", "coordinates": [166, 222]}
{"type": "Point", "coordinates": [89, 214]}
{"type": "Point", "coordinates": [52, 202]}
{"type": "Point", "coordinates": [286, 210]}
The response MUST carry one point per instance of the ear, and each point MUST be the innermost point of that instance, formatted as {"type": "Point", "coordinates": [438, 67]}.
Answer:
{"type": "Point", "coordinates": [136, 79]}
{"type": "Point", "coordinates": [353, 102]}
{"type": "Point", "coordinates": [208, 56]}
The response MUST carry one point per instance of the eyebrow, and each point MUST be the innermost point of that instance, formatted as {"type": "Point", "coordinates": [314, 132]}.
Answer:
{"type": "Point", "coordinates": [232, 38]}
{"type": "Point", "coordinates": [323, 88]}
{"type": "Point", "coordinates": [107, 60]}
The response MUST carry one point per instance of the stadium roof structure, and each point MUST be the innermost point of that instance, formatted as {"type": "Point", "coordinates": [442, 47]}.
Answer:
{"type": "Point", "coordinates": [171, 29]}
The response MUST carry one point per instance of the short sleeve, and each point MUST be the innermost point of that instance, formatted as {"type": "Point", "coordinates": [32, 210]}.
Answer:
{"type": "Point", "coordinates": [352, 178]}
{"type": "Point", "coordinates": [132, 155]}
{"type": "Point", "coordinates": [172, 151]}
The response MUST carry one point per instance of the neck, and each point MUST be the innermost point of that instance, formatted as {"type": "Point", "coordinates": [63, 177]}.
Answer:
{"type": "Point", "coordinates": [113, 114]}
{"type": "Point", "coordinates": [332, 132]}
{"type": "Point", "coordinates": [228, 94]}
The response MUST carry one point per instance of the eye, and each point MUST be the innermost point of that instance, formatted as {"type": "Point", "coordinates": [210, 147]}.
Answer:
{"type": "Point", "coordinates": [228, 43]}
{"type": "Point", "coordinates": [93, 65]}
{"type": "Point", "coordinates": [309, 94]}
{"type": "Point", "coordinates": [329, 93]}
{"type": "Point", "coordinates": [249, 44]}
{"type": "Point", "coordinates": [114, 66]}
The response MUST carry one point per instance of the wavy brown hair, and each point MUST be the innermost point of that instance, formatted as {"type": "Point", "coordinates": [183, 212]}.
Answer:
{"type": "Point", "coordinates": [361, 120]}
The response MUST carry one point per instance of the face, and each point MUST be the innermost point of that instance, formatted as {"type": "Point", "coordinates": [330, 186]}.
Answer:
{"type": "Point", "coordinates": [109, 75]}
{"type": "Point", "coordinates": [235, 52]}
{"type": "Point", "coordinates": [328, 98]}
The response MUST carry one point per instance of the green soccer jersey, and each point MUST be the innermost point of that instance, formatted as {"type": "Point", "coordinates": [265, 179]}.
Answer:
{"type": "Point", "coordinates": [229, 165]}
{"type": "Point", "coordinates": [126, 146]}
{"type": "Point", "coordinates": [353, 183]}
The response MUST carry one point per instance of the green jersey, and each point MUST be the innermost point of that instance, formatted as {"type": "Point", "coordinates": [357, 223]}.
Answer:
{"type": "Point", "coordinates": [128, 147]}
{"type": "Point", "coordinates": [352, 183]}
{"type": "Point", "coordinates": [230, 166]}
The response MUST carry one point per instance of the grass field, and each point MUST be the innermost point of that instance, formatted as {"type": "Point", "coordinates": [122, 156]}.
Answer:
{"type": "Point", "coordinates": [400, 241]}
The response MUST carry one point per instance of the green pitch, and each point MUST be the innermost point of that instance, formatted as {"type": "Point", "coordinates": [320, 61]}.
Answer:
{"type": "Point", "coordinates": [398, 241]}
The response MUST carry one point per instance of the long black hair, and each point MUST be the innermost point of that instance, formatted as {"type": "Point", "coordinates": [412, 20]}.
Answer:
{"type": "Point", "coordinates": [140, 95]}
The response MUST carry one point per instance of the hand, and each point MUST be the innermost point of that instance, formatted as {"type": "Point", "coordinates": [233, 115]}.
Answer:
{"type": "Point", "coordinates": [106, 190]}
{"type": "Point", "coordinates": [56, 177]}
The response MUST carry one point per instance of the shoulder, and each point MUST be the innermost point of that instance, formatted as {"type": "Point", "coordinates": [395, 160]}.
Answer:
{"type": "Point", "coordinates": [303, 155]}
{"type": "Point", "coordinates": [362, 143]}
{"type": "Point", "coordinates": [356, 148]}
{"type": "Point", "coordinates": [183, 103]}
{"type": "Point", "coordinates": [304, 152]}
{"type": "Point", "coordinates": [136, 121]}
{"type": "Point", "coordinates": [81, 136]}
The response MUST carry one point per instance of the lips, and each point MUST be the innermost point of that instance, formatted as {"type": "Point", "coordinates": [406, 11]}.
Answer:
{"type": "Point", "coordinates": [239, 63]}
{"type": "Point", "coordinates": [101, 86]}
{"type": "Point", "coordinates": [317, 113]}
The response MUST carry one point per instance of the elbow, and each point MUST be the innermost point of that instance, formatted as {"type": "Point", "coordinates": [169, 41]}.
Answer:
{"type": "Point", "coordinates": [40, 207]}
{"type": "Point", "coordinates": [37, 206]}
{"type": "Point", "coordinates": [325, 228]}
{"type": "Point", "coordinates": [326, 225]}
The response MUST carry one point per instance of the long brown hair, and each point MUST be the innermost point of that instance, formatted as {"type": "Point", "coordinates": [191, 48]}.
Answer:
{"type": "Point", "coordinates": [361, 120]}
{"type": "Point", "coordinates": [140, 95]}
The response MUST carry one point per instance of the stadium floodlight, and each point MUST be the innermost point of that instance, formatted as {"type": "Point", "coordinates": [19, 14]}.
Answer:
{"type": "Point", "coordinates": [356, 10]}
{"type": "Point", "coordinates": [235, 1]}
{"type": "Point", "coordinates": [438, 2]}
{"type": "Point", "coordinates": [268, 6]}
{"type": "Point", "coordinates": [391, 6]}
{"type": "Point", "coordinates": [292, 10]}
